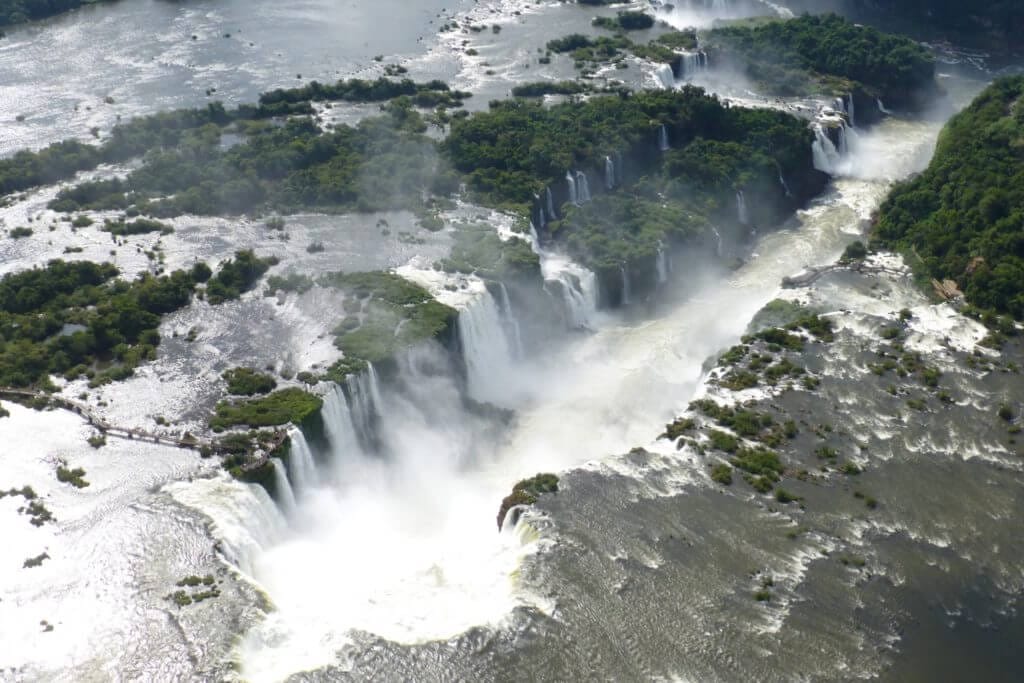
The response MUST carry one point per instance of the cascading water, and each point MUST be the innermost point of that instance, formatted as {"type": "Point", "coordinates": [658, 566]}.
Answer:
{"type": "Point", "coordinates": [741, 208]}
{"type": "Point", "coordinates": [663, 143]}
{"type": "Point", "coordinates": [541, 218]}
{"type": "Point", "coordinates": [661, 263]}
{"type": "Point", "coordinates": [283, 488]}
{"type": "Point", "coordinates": [485, 347]}
{"type": "Point", "coordinates": [574, 285]}
{"type": "Point", "coordinates": [301, 466]}
{"type": "Point", "coordinates": [549, 203]}
{"type": "Point", "coordinates": [364, 409]}
{"type": "Point", "coordinates": [511, 322]}
{"type": "Point", "coordinates": [570, 181]}
{"type": "Point", "coordinates": [534, 237]}
{"type": "Point", "coordinates": [718, 242]}
{"type": "Point", "coordinates": [665, 77]}
{"type": "Point", "coordinates": [851, 111]}
{"type": "Point", "coordinates": [626, 289]}
{"type": "Point", "coordinates": [619, 168]}
{"type": "Point", "coordinates": [881, 106]}
{"type": "Point", "coordinates": [340, 427]}
{"type": "Point", "coordinates": [785, 185]}
{"type": "Point", "coordinates": [692, 63]}
{"type": "Point", "coordinates": [582, 187]}
{"type": "Point", "coordinates": [609, 173]}
{"type": "Point", "coordinates": [826, 156]}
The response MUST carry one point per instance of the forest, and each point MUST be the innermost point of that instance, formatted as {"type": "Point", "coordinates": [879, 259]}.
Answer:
{"type": "Point", "coordinates": [79, 319]}
{"type": "Point", "coordinates": [963, 218]}
{"type": "Point", "coordinates": [783, 56]}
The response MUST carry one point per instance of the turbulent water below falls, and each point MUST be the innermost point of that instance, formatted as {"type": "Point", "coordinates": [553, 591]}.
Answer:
{"type": "Point", "coordinates": [386, 562]}
{"type": "Point", "coordinates": [403, 550]}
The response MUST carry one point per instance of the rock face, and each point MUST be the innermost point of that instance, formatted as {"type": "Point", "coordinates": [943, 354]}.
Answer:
{"type": "Point", "coordinates": [947, 289]}
{"type": "Point", "coordinates": [526, 492]}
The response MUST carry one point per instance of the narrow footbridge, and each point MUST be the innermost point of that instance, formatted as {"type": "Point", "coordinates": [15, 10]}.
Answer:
{"type": "Point", "coordinates": [102, 425]}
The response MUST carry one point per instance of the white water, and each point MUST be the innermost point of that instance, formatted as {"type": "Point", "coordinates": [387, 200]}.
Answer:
{"type": "Point", "coordinates": [693, 63]}
{"type": "Point", "coordinates": [302, 470]}
{"type": "Point", "coordinates": [570, 181]}
{"type": "Point", "coordinates": [662, 265]}
{"type": "Point", "coordinates": [285, 495]}
{"type": "Point", "coordinates": [609, 173]}
{"type": "Point", "coordinates": [576, 287]}
{"type": "Point", "coordinates": [404, 545]}
{"type": "Point", "coordinates": [511, 323]}
{"type": "Point", "coordinates": [549, 204]}
{"type": "Point", "coordinates": [741, 208]}
{"type": "Point", "coordinates": [486, 350]}
{"type": "Point", "coordinates": [664, 76]}
{"type": "Point", "coordinates": [663, 142]}
{"type": "Point", "coordinates": [582, 187]}
{"type": "Point", "coordinates": [627, 297]}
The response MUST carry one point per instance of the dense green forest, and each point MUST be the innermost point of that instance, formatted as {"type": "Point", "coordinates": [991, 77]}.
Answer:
{"type": "Point", "coordinates": [991, 24]}
{"type": "Point", "coordinates": [963, 218]}
{"type": "Point", "coordinates": [79, 318]}
{"type": "Point", "coordinates": [19, 11]}
{"type": "Point", "coordinates": [785, 57]}
{"type": "Point", "coordinates": [511, 153]}
{"type": "Point", "coordinates": [195, 133]}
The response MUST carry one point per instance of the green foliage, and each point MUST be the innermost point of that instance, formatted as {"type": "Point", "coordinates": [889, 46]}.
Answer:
{"type": "Point", "coordinates": [237, 276]}
{"type": "Point", "coordinates": [759, 462]}
{"type": "Point", "coordinates": [723, 441]}
{"type": "Point", "coordinates": [784, 55]}
{"type": "Point", "coordinates": [722, 474]}
{"type": "Point", "coordinates": [139, 226]}
{"type": "Point", "coordinates": [281, 407]}
{"type": "Point", "coordinates": [478, 249]}
{"type": "Point", "coordinates": [963, 218]}
{"type": "Point", "coordinates": [66, 317]}
{"type": "Point", "coordinates": [248, 382]}
{"type": "Point", "coordinates": [20, 232]}
{"type": "Point", "coordinates": [855, 251]}
{"type": "Point", "coordinates": [393, 314]}
{"type": "Point", "coordinates": [625, 21]}
{"type": "Point", "coordinates": [74, 477]}
{"type": "Point", "coordinates": [526, 492]}
{"type": "Point", "coordinates": [541, 88]}
{"type": "Point", "coordinates": [292, 282]}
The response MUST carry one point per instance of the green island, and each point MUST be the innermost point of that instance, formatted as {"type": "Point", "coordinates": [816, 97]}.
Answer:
{"type": "Point", "coordinates": [962, 219]}
{"type": "Point", "coordinates": [282, 407]}
{"type": "Point", "coordinates": [830, 55]}
{"type": "Point", "coordinates": [526, 492]}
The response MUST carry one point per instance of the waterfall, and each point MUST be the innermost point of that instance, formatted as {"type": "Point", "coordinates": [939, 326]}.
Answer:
{"type": "Point", "coordinates": [364, 409]}
{"type": "Point", "coordinates": [663, 144]}
{"type": "Point", "coordinates": [881, 107]}
{"type": "Point", "coordinates": [661, 263]}
{"type": "Point", "coordinates": [339, 425]}
{"type": "Point", "coordinates": [301, 466]}
{"type": "Point", "coordinates": [850, 111]}
{"type": "Point", "coordinates": [511, 322]}
{"type": "Point", "coordinates": [541, 218]}
{"type": "Point", "coordinates": [609, 173]}
{"type": "Point", "coordinates": [626, 293]}
{"type": "Point", "coordinates": [550, 204]}
{"type": "Point", "coordinates": [718, 242]}
{"type": "Point", "coordinates": [826, 156]}
{"type": "Point", "coordinates": [839, 105]}
{"type": "Point", "coordinates": [484, 346]}
{"type": "Point", "coordinates": [574, 285]}
{"type": "Point", "coordinates": [741, 208]}
{"type": "Point", "coordinates": [693, 63]}
{"type": "Point", "coordinates": [665, 76]}
{"type": "Point", "coordinates": [619, 168]}
{"type": "Point", "coordinates": [571, 183]}
{"type": "Point", "coordinates": [582, 187]}
{"type": "Point", "coordinates": [285, 495]}
{"type": "Point", "coordinates": [534, 237]}
{"type": "Point", "coordinates": [785, 186]}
